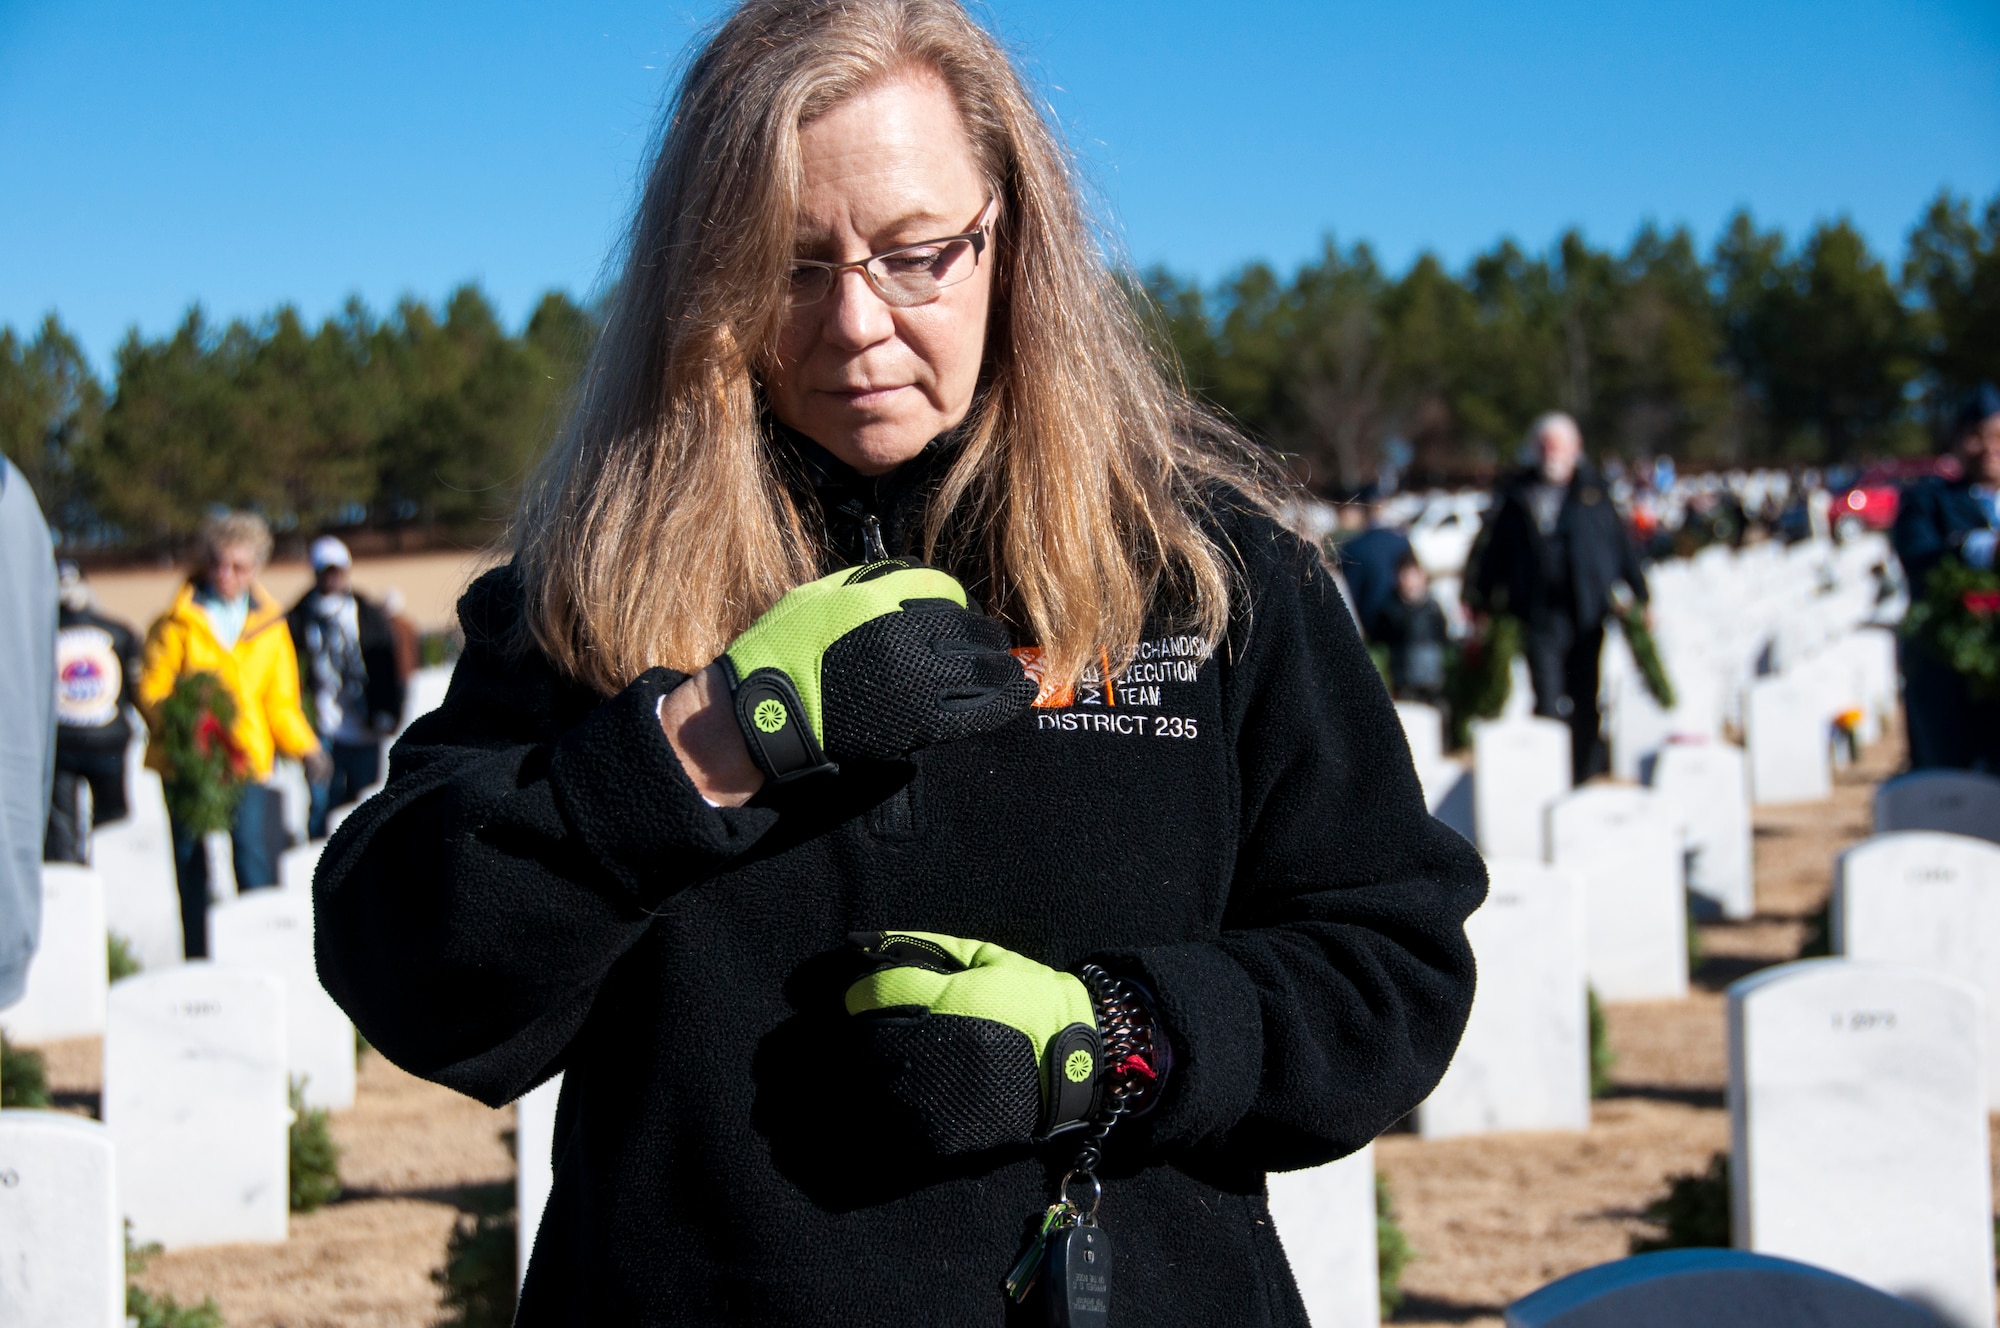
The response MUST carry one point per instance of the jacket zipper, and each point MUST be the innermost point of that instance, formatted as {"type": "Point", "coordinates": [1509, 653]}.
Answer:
{"type": "Point", "coordinates": [873, 548]}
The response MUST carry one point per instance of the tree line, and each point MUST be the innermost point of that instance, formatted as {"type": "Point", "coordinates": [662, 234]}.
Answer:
{"type": "Point", "coordinates": [424, 423]}
{"type": "Point", "coordinates": [420, 424]}
{"type": "Point", "coordinates": [1762, 351]}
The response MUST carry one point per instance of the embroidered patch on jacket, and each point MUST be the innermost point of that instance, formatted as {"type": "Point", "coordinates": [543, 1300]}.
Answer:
{"type": "Point", "coordinates": [1048, 694]}
{"type": "Point", "coordinates": [1146, 680]}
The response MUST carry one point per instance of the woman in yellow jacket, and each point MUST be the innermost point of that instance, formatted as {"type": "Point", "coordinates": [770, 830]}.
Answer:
{"type": "Point", "coordinates": [224, 623]}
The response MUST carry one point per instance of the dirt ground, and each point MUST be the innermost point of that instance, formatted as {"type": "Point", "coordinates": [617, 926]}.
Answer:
{"type": "Point", "coordinates": [430, 583]}
{"type": "Point", "coordinates": [1491, 1218]}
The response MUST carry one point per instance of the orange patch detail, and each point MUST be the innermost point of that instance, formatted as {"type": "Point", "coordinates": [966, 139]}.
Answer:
{"type": "Point", "coordinates": [1048, 695]}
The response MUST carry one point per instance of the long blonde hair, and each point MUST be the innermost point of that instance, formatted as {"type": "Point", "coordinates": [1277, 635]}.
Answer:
{"type": "Point", "coordinates": [658, 527]}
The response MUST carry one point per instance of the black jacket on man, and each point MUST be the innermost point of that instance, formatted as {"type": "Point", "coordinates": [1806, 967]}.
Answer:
{"type": "Point", "coordinates": [1933, 517]}
{"type": "Point", "coordinates": [539, 888]}
{"type": "Point", "coordinates": [1948, 727]}
{"type": "Point", "coordinates": [384, 689]}
{"type": "Point", "coordinates": [97, 670]}
{"type": "Point", "coordinates": [1513, 565]}
{"type": "Point", "coordinates": [97, 673]}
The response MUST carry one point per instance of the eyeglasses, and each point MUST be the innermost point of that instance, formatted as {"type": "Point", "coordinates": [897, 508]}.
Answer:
{"type": "Point", "coordinates": [905, 276]}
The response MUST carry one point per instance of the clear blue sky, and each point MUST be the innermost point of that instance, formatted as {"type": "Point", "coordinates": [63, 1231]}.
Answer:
{"type": "Point", "coordinates": [244, 154]}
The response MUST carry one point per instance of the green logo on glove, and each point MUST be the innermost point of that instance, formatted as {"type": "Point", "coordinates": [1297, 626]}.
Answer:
{"type": "Point", "coordinates": [1078, 1066]}
{"type": "Point", "coordinates": [769, 716]}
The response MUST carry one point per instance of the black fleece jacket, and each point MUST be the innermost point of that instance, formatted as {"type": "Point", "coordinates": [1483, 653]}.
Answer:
{"type": "Point", "coordinates": [540, 888]}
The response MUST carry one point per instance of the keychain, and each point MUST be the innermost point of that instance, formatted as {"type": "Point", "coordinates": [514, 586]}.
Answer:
{"type": "Point", "coordinates": [1069, 1260]}
{"type": "Point", "coordinates": [1076, 1277]}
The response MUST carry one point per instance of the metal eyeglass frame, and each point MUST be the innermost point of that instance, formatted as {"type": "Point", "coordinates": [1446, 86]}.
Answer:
{"type": "Point", "coordinates": [976, 237]}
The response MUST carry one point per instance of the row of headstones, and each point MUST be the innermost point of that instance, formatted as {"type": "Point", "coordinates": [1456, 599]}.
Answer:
{"type": "Point", "coordinates": [1858, 1122]}
{"type": "Point", "coordinates": [1920, 898]}
{"type": "Point", "coordinates": [1857, 1103]}
{"type": "Point", "coordinates": [199, 1060]}
{"type": "Point", "coordinates": [1780, 641]}
{"type": "Point", "coordinates": [193, 1149]}
{"type": "Point", "coordinates": [68, 993]}
{"type": "Point", "coordinates": [215, 1111]}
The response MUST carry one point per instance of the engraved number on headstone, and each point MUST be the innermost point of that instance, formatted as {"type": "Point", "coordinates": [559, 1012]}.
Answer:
{"type": "Point", "coordinates": [198, 1009]}
{"type": "Point", "coordinates": [1864, 1021]}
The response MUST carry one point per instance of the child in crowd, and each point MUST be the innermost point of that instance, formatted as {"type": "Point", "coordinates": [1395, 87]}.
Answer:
{"type": "Point", "coordinates": [1413, 628]}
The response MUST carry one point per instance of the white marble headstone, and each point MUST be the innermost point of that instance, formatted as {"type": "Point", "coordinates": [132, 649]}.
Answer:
{"type": "Point", "coordinates": [1520, 691]}
{"type": "Point", "coordinates": [1857, 1105]}
{"type": "Point", "coordinates": [271, 931]}
{"type": "Point", "coordinates": [1524, 1061]}
{"type": "Point", "coordinates": [1423, 727]}
{"type": "Point", "coordinates": [66, 978]}
{"type": "Point", "coordinates": [195, 1095]}
{"type": "Point", "coordinates": [1625, 848]}
{"type": "Point", "coordinates": [1930, 901]}
{"type": "Point", "coordinates": [297, 865]}
{"type": "Point", "coordinates": [1956, 802]}
{"type": "Point", "coordinates": [1326, 1222]}
{"type": "Point", "coordinates": [534, 1174]}
{"type": "Point", "coordinates": [62, 1242]}
{"type": "Point", "coordinates": [427, 690]}
{"type": "Point", "coordinates": [1520, 767]}
{"type": "Point", "coordinates": [340, 814]}
{"type": "Point", "coordinates": [1872, 651]}
{"type": "Point", "coordinates": [288, 777]}
{"type": "Point", "coordinates": [1785, 722]}
{"type": "Point", "coordinates": [1640, 727]}
{"type": "Point", "coordinates": [136, 859]}
{"type": "Point", "coordinates": [1707, 786]}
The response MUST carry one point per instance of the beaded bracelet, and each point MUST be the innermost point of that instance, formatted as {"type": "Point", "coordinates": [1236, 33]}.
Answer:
{"type": "Point", "coordinates": [1136, 1054]}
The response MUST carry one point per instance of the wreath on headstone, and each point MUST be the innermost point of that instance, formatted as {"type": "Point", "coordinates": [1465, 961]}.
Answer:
{"type": "Point", "coordinates": [1479, 675]}
{"type": "Point", "coordinates": [205, 767]}
{"type": "Point", "coordinates": [1631, 616]}
{"type": "Point", "coordinates": [1958, 621]}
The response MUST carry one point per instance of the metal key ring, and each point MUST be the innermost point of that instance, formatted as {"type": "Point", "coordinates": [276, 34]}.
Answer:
{"type": "Point", "coordinates": [1089, 1219]}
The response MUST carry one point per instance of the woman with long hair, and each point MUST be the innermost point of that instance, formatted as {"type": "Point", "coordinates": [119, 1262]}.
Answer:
{"type": "Point", "coordinates": [936, 820]}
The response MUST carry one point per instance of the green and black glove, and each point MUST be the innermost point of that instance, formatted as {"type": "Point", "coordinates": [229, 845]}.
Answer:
{"type": "Point", "coordinates": [981, 1046]}
{"type": "Point", "coordinates": [872, 662]}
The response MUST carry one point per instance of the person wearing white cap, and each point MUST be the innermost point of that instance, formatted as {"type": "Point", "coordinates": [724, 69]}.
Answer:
{"type": "Point", "coordinates": [347, 656]}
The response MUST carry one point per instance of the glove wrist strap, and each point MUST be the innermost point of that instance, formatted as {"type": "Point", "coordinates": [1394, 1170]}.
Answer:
{"type": "Point", "coordinates": [775, 726]}
{"type": "Point", "coordinates": [1075, 1061]}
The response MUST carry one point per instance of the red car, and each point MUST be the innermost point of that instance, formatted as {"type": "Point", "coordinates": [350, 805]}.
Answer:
{"type": "Point", "coordinates": [1871, 500]}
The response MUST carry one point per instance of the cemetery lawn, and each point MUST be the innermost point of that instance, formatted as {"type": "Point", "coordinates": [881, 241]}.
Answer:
{"type": "Point", "coordinates": [1493, 1217]}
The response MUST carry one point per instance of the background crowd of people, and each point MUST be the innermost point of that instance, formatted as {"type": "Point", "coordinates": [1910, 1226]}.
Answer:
{"type": "Point", "coordinates": [1562, 545]}
{"type": "Point", "coordinates": [322, 683]}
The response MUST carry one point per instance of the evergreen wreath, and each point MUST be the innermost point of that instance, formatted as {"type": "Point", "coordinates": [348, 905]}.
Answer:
{"type": "Point", "coordinates": [1479, 675]}
{"type": "Point", "coordinates": [206, 769]}
{"type": "Point", "coordinates": [1645, 653]}
{"type": "Point", "coordinates": [1958, 621]}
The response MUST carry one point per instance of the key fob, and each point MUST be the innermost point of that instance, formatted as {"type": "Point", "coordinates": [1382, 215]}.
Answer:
{"type": "Point", "coordinates": [1076, 1278]}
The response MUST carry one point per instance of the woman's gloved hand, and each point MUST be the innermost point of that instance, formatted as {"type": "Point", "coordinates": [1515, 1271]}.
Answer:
{"type": "Point", "coordinates": [871, 662]}
{"type": "Point", "coordinates": [980, 1046]}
